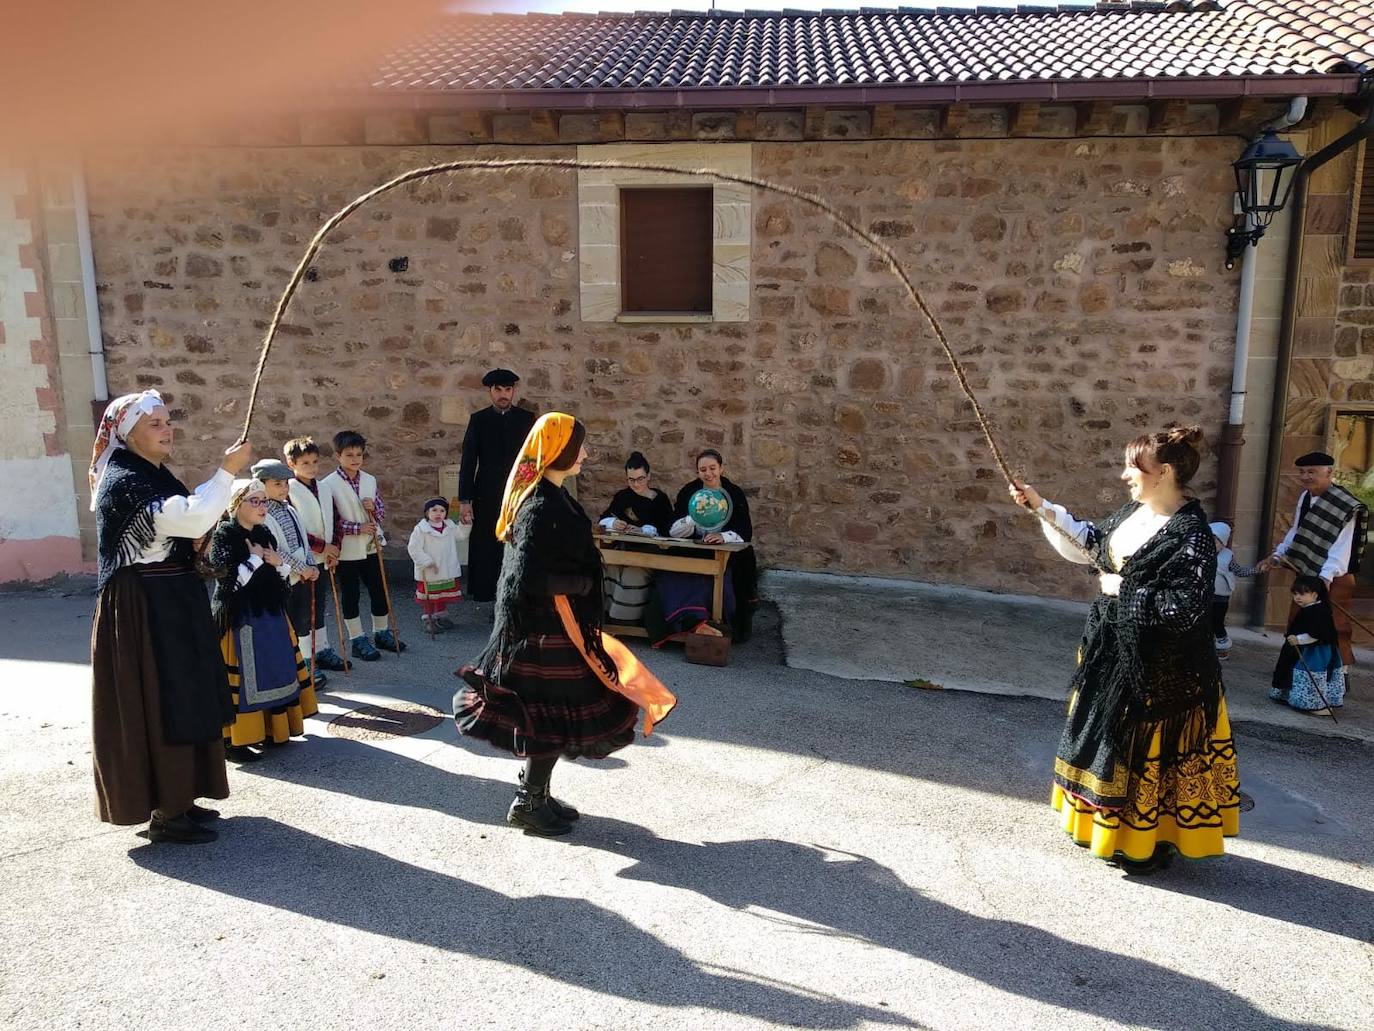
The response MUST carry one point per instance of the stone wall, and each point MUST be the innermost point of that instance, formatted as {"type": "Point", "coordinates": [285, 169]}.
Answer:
{"type": "Point", "coordinates": [1080, 280]}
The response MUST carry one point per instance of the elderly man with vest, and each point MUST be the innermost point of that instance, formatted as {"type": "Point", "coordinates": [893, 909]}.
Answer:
{"type": "Point", "coordinates": [1326, 539]}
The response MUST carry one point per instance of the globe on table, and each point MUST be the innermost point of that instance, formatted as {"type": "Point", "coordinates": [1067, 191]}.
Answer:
{"type": "Point", "coordinates": [710, 508]}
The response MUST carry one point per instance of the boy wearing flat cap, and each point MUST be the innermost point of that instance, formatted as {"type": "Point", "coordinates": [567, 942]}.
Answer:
{"type": "Point", "coordinates": [1327, 537]}
{"type": "Point", "coordinates": [493, 440]}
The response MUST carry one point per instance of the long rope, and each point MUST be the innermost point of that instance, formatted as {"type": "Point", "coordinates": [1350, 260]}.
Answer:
{"type": "Point", "coordinates": [492, 164]}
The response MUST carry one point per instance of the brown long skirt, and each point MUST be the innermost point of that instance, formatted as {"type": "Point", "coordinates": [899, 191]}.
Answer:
{"type": "Point", "coordinates": [136, 770]}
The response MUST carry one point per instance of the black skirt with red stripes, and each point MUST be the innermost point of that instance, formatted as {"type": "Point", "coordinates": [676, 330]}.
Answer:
{"type": "Point", "coordinates": [548, 702]}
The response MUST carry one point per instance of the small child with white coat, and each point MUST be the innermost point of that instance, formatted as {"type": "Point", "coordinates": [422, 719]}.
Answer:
{"type": "Point", "coordinates": [1227, 571]}
{"type": "Point", "coordinates": [433, 548]}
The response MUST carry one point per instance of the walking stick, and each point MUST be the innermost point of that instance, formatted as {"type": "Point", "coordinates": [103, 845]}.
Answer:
{"type": "Point", "coordinates": [311, 586]}
{"type": "Point", "coordinates": [338, 618]}
{"type": "Point", "coordinates": [391, 621]}
{"type": "Point", "coordinates": [1313, 677]}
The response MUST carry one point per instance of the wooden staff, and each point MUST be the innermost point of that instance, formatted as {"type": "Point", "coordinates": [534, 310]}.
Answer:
{"type": "Point", "coordinates": [391, 621]}
{"type": "Point", "coordinates": [338, 618]}
{"type": "Point", "coordinates": [311, 584]}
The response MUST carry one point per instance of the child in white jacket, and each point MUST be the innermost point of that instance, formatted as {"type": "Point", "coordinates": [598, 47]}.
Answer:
{"type": "Point", "coordinates": [1227, 571]}
{"type": "Point", "coordinates": [433, 548]}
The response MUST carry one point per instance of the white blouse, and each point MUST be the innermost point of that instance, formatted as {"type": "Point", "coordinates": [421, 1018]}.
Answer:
{"type": "Point", "coordinates": [192, 516]}
{"type": "Point", "coordinates": [1125, 541]}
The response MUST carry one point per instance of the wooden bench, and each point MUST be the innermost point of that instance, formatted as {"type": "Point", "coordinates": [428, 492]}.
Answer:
{"type": "Point", "coordinates": [652, 553]}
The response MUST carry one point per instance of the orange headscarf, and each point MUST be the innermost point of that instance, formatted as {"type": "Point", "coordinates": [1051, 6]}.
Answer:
{"type": "Point", "coordinates": [548, 437]}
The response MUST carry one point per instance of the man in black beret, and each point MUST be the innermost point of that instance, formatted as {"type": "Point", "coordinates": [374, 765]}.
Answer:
{"type": "Point", "coordinates": [490, 446]}
{"type": "Point", "coordinates": [1327, 537]}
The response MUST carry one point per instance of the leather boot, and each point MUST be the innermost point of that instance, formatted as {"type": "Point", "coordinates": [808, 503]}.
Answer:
{"type": "Point", "coordinates": [560, 809]}
{"type": "Point", "coordinates": [179, 830]}
{"type": "Point", "coordinates": [531, 811]}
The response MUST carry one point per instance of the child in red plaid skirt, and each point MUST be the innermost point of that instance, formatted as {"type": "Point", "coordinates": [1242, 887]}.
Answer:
{"type": "Point", "coordinates": [433, 548]}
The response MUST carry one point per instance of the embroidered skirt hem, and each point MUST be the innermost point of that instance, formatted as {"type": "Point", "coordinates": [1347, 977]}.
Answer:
{"type": "Point", "coordinates": [1194, 807]}
{"type": "Point", "coordinates": [277, 723]}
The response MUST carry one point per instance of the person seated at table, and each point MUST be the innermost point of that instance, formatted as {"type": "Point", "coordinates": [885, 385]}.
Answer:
{"type": "Point", "coordinates": [643, 508]}
{"type": "Point", "coordinates": [683, 600]}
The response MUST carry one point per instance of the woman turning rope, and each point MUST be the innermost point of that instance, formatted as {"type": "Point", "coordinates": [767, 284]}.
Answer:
{"type": "Point", "coordinates": [1146, 764]}
{"type": "Point", "coordinates": [160, 697]}
{"type": "Point", "coordinates": [549, 683]}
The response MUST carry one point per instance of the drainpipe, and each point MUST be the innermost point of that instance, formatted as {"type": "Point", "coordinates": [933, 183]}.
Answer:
{"type": "Point", "coordinates": [1278, 407]}
{"type": "Point", "coordinates": [95, 341]}
{"type": "Point", "coordinates": [1233, 433]}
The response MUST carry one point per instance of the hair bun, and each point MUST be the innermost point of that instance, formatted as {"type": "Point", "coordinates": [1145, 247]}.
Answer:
{"type": "Point", "coordinates": [636, 458]}
{"type": "Point", "coordinates": [1191, 435]}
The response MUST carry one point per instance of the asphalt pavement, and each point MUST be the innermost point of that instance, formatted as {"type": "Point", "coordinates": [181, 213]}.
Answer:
{"type": "Point", "coordinates": [791, 848]}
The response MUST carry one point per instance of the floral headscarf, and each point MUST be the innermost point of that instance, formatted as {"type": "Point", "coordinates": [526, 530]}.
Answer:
{"type": "Point", "coordinates": [121, 416]}
{"type": "Point", "coordinates": [546, 441]}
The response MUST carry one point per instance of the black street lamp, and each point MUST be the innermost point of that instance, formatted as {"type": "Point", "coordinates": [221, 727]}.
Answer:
{"type": "Point", "coordinates": [1264, 179]}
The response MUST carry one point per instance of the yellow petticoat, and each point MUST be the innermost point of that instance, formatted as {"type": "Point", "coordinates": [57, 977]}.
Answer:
{"type": "Point", "coordinates": [253, 728]}
{"type": "Point", "coordinates": [1194, 809]}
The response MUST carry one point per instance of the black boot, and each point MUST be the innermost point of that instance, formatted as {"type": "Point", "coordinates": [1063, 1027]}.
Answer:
{"type": "Point", "coordinates": [560, 809]}
{"type": "Point", "coordinates": [179, 830]}
{"type": "Point", "coordinates": [531, 809]}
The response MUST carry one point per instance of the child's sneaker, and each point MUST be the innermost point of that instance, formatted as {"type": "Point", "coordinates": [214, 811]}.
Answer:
{"type": "Point", "coordinates": [331, 660]}
{"type": "Point", "coordinates": [386, 640]}
{"type": "Point", "coordinates": [362, 649]}
{"type": "Point", "coordinates": [443, 623]}
{"type": "Point", "coordinates": [1224, 647]}
{"type": "Point", "coordinates": [430, 624]}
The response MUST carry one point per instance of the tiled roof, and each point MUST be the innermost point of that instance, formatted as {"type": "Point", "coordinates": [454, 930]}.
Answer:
{"type": "Point", "coordinates": [1328, 32]}
{"type": "Point", "coordinates": [879, 48]}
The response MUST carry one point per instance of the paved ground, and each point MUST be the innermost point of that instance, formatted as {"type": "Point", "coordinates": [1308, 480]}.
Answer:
{"type": "Point", "coordinates": [794, 849]}
{"type": "Point", "coordinates": [1006, 644]}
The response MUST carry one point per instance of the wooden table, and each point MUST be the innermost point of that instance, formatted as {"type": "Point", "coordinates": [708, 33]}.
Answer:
{"type": "Point", "coordinates": [652, 553]}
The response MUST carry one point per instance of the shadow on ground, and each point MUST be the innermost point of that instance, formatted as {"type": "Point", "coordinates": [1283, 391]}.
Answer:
{"type": "Point", "coordinates": [806, 891]}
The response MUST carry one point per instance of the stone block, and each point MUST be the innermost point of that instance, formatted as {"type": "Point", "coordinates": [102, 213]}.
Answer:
{"type": "Point", "coordinates": [394, 128]}
{"type": "Point", "coordinates": [779, 125]}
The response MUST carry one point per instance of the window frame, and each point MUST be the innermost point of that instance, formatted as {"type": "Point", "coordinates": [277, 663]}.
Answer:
{"type": "Point", "coordinates": [1361, 195]}
{"type": "Point", "coordinates": [625, 265]}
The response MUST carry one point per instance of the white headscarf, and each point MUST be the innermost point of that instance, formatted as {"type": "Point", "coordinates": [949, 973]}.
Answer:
{"type": "Point", "coordinates": [121, 416]}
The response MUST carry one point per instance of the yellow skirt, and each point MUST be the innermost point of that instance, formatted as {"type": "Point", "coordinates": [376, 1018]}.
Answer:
{"type": "Point", "coordinates": [254, 728]}
{"type": "Point", "coordinates": [1194, 809]}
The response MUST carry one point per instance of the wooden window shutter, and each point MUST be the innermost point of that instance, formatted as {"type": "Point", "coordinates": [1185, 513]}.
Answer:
{"type": "Point", "coordinates": [665, 250]}
{"type": "Point", "coordinates": [1363, 228]}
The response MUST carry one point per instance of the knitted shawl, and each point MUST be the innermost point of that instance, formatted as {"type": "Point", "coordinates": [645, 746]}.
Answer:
{"type": "Point", "coordinates": [1149, 661]}
{"type": "Point", "coordinates": [130, 496]}
{"type": "Point", "coordinates": [551, 551]}
{"type": "Point", "coordinates": [265, 592]}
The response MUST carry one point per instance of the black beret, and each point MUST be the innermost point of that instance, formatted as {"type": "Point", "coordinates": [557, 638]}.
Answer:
{"type": "Point", "coordinates": [434, 501]}
{"type": "Point", "coordinates": [500, 378]}
{"type": "Point", "coordinates": [1314, 458]}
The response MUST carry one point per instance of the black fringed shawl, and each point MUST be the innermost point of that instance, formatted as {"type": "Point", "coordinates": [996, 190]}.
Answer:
{"type": "Point", "coordinates": [551, 551]}
{"type": "Point", "coordinates": [265, 592]}
{"type": "Point", "coordinates": [1149, 660]}
{"type": "Point", "coordinates": [130, 496]}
